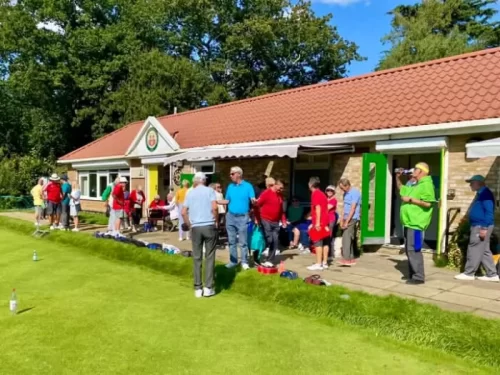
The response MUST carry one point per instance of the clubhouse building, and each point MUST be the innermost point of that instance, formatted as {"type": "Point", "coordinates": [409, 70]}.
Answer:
{"type": "Point", "coordinates": [444, 112]}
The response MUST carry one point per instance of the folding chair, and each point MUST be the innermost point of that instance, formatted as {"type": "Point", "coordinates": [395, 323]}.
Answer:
{"type": "Point", "coordinates": [156, 216]}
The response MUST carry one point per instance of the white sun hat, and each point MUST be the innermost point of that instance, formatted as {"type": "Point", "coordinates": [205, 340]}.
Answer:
{"type": "Point", "coordinates": [54, 177]}
{"type": "Point", "coordinates": [123, 179]}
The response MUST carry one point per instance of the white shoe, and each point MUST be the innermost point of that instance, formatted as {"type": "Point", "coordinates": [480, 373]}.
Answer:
{"type": "Point", "coordinates": [207, 292]}
{"type": "Point", "coordinates": [75, 230]}
{"type": "Point", "coordinates": [278, 252]}
{"type": "Point", "coordinates": [187, 238]}
{"type": "Point", "coordinates": [489, 278]}
{"type": "Point", "coordinates": [231, 265]}
{"type": "Point", "coordinates": [315, 267]}
{"type": "Point", "coordinates": [325, 266]}
{"type": "Point", "coordinates": [52, 227]}
{"type": "Point", "coordinates": [463, 276]}
{"type": "Point", "coordinates": [265, 252]}
{"type": "Point", "coordinates": [198, 293]}
{"type": "Point", "coordinates": [245, 266]}
{"type": "Point", "coordinates": [305, 251]}
{"type": "Point", "coordinates": [181, 239]}
{"type": "Point", "coordinates": [300, 247]}
{"type": "Point", "coordinates": [61, 227]}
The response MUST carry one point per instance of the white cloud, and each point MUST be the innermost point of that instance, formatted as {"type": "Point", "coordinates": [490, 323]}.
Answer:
{"type": "Point", "coordinates": [342, 2]}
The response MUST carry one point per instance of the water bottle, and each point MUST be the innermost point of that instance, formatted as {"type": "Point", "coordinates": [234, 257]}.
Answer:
{"type": "Point", "coordinates": [35, 256]}
{"type": "Point", "coordinates": [13, 302]}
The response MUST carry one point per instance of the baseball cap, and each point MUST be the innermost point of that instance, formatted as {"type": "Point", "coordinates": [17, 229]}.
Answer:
{"type": "Point", "coordinates": [476, 177]}
{"type": "Point", "coordinates": [330, 187]}
{"type": "Point", "coordinates": [200, 176]}
{"type": "Point", "coordinates": [64, 177]}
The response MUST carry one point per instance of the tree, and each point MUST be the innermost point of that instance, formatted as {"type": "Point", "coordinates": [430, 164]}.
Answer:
{"type": "Point", "coordinates": [86, 67]}
{"type": "Point", "coordinates": [439, 28]}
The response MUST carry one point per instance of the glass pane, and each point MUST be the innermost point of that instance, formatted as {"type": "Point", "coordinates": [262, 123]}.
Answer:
{"type": "Point", "coordinates": [84, 185]}
{"type": "Point", "coordinates": [371, 198]}
{"type": "Point", "coordinates": [112, 176]}
{"type": "Point", "coordinates": [93, 185]}
{"type": "Point", "coordinates": [207, 168]}
{"type": "Point", "coordinates": [103, 182]}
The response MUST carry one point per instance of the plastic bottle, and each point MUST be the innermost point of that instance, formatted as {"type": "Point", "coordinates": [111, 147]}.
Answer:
{"type": "Point", "coordinates": [35, 256]}
{"type": "Point", "coordinates": [13, 302]}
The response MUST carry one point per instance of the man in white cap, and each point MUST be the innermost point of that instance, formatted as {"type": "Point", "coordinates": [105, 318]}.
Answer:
{"type": "Point", "coordinates": [200, 213]}
{"type": "Point", "coordinates": [54, 199]}
{"type": "Point", "coordinates": [118, 195]}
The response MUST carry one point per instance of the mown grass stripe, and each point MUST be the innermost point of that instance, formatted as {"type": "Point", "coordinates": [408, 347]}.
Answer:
{"type": "Point", "coordinates": [462, 334]}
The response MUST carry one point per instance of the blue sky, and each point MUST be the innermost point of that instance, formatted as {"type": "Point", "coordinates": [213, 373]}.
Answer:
{"type": "Point", "coordinates": [364, 22]}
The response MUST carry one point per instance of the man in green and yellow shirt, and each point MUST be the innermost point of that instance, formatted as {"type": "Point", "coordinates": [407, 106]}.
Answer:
{"type": "Point", "coordinates": [416, 214]}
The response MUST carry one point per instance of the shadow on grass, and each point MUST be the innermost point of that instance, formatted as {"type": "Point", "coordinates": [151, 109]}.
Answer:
{"type": "Point", "coordinates": [224, 277]}
{"type": "Point", "coordinates": [25, 310]}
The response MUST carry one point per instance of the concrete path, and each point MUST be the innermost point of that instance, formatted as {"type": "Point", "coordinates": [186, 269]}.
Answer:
{"type": "Point", "coordinates": [374, 273]}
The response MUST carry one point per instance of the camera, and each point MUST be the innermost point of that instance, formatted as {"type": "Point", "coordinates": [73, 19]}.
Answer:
{"type": "Point", "coordinates": [403, 171]}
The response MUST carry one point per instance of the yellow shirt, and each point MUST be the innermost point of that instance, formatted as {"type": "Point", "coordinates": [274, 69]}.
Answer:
{"type": "Point", "coordinates": [180, 196]}
{"type": "Point", "coordinates": [37, 194]}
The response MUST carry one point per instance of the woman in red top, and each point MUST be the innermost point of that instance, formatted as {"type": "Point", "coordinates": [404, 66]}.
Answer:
{"type": "Point", "coordinates": [270, 212]}
{"type": "Point", "coordinates": [319, 230]}
{"type": "Point", "coordinates": [118, 194]}
{"type": "Point", "coordinates": [137, 199]}
{"type": "Point", "coordinates": [332, 218]}
{"type": "Point", "coordinates": [156, 210]}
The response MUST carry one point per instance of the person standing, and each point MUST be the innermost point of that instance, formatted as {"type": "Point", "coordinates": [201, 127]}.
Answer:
{"type": "Point", "coordinates": [482, 221]}
{"type": "Point", "coordinates": [137, 199]}
{"type": "Point", "coordinates": [318, 230]}
{"type": "Point", "coordinates": [107, 197]}
{"type": "Point", "coordinates": [66, 192]}
{"type": "Point", "coordinates": [54, 198]}
{"type": "Point", "coordinates": [200, 213]}
{"type": "Point", "coordinates": [180, 197]}
{"type": "Point", "coordinates": [239, 197]}
{"type": "Point", "coordinates": [416, 215]}
{"type": "Point", "coordinates": [332, 219]}
{"type": "Point", "coordinates": [74, 206]}
{"type": "Point", "coordinates": [37, 194]}
{"type": "Point", "coordinates": [270, 213]}
{"type": "Point", "coordinates": [349, 221]}
{"type": "Point", "coordinates": [118, 208]}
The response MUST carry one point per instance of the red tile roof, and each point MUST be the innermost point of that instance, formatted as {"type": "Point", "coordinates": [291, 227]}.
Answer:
{"type": "Point", "coordinates": [459, 88]}
{"type": "Point", "coordinates": [114, 144]}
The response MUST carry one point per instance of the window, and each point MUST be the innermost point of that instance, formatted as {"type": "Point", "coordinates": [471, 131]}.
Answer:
{"type": "Point", "coordinates": [93, 183]}
{"type": "Point", "coordinates": [205, 167]}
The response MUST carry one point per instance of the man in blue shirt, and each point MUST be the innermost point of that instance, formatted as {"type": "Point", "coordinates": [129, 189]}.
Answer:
{"type": "Point", "coordinates": [239, 197]}
{"type": "Point", "coordinates": [349, 220]}
{"type": "Point", "coordinates": [66, 192]}
{"type": "Point", "coordinates": [482, 220]}
{"type": "Point", "coordinates": [200, 212]}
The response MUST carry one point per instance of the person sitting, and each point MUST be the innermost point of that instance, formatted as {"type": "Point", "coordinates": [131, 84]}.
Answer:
{"type": "Point", "coordinates": [172, 217]}
{"type": "Point", "coordinates": [294, 215]}
{"type": "Point", "coordinates": [302, 229]}
{"type": "Point", "coordinates": [156, 210]}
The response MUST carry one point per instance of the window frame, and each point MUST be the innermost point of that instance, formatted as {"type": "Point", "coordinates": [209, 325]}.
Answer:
{"type": "Point", "coordinates": [99, 174]}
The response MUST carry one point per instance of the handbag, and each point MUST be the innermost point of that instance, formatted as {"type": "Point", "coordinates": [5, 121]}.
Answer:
{"type": "Point", "coordinates": [314, 280]}
{"type": "Point", "coordinates": [257, 240]}
{"type": "Point", "coordinates": [317, 235]}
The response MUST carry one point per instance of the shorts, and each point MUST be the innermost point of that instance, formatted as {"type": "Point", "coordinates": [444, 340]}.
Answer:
{"type": "Point", "coordinates": [119, 214]}
{"type": "Point", "coordinates": [74, 210]}
{"type": "Point", "coordinates": [321, 243]}
{"type": "Point", "coordinates": [38, 210]}
{"type": "Point", "coordinates": [54, 208]}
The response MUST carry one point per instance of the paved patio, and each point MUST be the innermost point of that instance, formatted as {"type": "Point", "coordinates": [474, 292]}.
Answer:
{"type": "Point", "coordinates": [375, 273]}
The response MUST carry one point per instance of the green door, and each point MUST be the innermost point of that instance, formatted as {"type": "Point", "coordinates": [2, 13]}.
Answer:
{"type": "Point", "coordinates": [373, 199]}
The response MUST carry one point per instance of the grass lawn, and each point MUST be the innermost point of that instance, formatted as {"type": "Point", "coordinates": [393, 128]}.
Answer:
{"type": "Point", "coordinates": [89, 315]}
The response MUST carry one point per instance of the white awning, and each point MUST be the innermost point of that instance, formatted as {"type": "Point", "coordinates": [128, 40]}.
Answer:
{"type": "Point", "coordinates": [234, 152]}
{"type": "Point", "coordinates": [412, 145]}
{"type": "Point", "coordinates": [483, 149]}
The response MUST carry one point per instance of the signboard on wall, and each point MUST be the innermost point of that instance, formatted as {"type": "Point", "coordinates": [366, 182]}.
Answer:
{"type": "Point", "coordinates": [151, 139]}
{"type": "Point", "coordinates": [137, 172]}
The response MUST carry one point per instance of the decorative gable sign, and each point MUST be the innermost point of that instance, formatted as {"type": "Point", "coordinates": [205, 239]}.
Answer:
{"type": "Point", "coordinates": [153, 140]}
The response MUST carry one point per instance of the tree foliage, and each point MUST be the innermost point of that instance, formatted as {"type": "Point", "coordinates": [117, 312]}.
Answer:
{"type": "Point", "coordinates": [86, 67]}
{"type": "Point", "coordinates": [434, 29]}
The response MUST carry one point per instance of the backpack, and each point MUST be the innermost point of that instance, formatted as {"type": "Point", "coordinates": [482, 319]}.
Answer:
{"type": "Point", "coordinates": [105, 195]}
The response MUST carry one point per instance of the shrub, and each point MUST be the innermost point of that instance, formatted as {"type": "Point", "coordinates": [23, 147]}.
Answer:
{"type": "Point", "coordinates": [15, 203]}
{"type": "Point", "coordinates": [19, 174]}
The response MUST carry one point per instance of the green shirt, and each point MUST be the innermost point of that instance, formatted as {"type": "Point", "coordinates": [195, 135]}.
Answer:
{"type": "Point", "coordinates": [295, 214]}
{"type": "Point", "coordinates": [413, 216]}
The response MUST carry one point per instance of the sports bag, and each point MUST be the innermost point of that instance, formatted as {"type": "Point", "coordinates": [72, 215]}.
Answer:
{"type": "Point", "coordinates": [257, 240]}
{"type": "Point", "coordinates": [314, 280]}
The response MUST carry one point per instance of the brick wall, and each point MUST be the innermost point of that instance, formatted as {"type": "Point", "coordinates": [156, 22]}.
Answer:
{"type": "Point", "coordinates": [253, 169]}
{"type": "Point", "coordinates": [461, 168]}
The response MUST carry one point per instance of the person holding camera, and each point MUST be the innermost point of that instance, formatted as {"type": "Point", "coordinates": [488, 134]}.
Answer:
{"type": "Point", "coordinates": [416, 214]}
